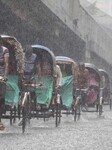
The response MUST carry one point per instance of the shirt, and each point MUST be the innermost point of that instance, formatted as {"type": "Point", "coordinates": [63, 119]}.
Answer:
{"type": "Point", "coordinates": [3, 53]}
{"type": "Point", "coordinates": [82, 78]}
{"type": "Point", "coordinates": [30, 64]}
{"type": "Point", "coordinates": [58, 76]}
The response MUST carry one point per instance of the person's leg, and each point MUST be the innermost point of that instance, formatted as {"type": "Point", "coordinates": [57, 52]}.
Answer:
{"type": "Point", "coordinates": [2, 103]}
{"type": "Point", "coordinates": [1, 110]}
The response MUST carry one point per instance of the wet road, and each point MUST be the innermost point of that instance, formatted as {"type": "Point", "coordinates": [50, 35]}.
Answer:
{"type": "Point", "coordinates": [89, 133]}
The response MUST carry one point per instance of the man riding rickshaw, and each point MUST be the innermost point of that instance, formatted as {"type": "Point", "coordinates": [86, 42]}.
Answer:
{"type": "Point", "coordinates": [38, 93]}
{"type": "Point", "coordinates": [90, 92]}
{"type": "Point", "coordinates": [12, 64]}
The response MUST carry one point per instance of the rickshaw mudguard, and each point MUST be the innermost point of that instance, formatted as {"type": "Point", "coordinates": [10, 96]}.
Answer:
{"type": "Point", "coordinates": [12, 91]}
{"type": "Point", "coordinates": [67, 91]}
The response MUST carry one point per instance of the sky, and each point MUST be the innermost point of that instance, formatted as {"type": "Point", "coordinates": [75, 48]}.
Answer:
{"type": "Point", "coordinates": [104, 5]}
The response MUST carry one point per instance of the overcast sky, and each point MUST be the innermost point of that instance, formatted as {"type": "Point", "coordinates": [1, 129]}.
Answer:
{"type": "Point", "coordinates": [105, 5]}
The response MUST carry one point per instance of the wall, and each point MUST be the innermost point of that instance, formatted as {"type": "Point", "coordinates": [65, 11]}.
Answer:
{"type": "Point", "coordinates": [98, 42]}
{"type": "Point", "coordinates": [32, 22]}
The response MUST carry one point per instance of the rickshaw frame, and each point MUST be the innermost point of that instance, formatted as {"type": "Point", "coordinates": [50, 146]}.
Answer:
{"type": "Point", "coordinates": [75, 108]}
{"type": "Point", "coordinates": [18, 55]}
{"type": "Point", "coordinates": [99, 101]}
{"type": "Point", "coordinates": [42, 113]}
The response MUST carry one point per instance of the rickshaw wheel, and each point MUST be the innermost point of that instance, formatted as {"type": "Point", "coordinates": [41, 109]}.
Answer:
{"type": "Point", "coordinates": [97, 107]}
{"type": "Point", "coordinates": [0, 113]}
{"type": "Point", "coordinates": [19, 112]}
{"type": "Point", "coordinates": [77, 112]}
{"type": "Point", "coordinates": [110, 104]}
{"type": "Point", "coordinates": [11, 116]}
{"type": "Point", "coordinates": [24, 120]}
{"type": "Point", "coordinates": [100, 109]}
{"type": "Point", "coordinates": [100, 106]}
{"type": "Point", "coordinates": [58, 114]}
{"type": "Point", "coordinates": [15, 111]}
{"type": "Point", "coordinates": [26, 113]}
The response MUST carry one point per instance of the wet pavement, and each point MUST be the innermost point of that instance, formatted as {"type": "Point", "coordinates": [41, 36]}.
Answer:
{"type": "Point", "coordinates": [88, 133]}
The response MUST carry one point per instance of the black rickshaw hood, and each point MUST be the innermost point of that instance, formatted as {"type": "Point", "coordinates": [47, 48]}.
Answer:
{"type": "Point", "coordinates": [93, 67]}
{"type": "Point", "coordinates": [64, 59]}
{"type": "Point", "coordinates": [103, 72]}
{"type": "Point", "coordinates": [44, 48]}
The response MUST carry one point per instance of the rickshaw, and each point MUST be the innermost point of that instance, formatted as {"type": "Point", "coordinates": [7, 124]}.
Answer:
{"type": "Point", "coordinates": [10, 109]}
{"type": "Point", "coordinates": [105, 83]}
{"type": "Point", "coordinates": [37, 99]}
{"type": "Point", "coordinates": [91, 96]}
{"type": "Point", "coordinates": [69, 69]}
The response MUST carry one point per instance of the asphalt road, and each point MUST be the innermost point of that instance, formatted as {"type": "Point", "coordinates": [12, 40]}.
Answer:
{"type": "Point", "coordinates": [88, 133]}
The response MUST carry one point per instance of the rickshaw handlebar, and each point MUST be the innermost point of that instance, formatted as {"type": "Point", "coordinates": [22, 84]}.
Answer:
{"type": "Point", "coordinates": [33, 85]}
{"type": "Point", "coordinates": [83, 90]}
{"type": "Point", "coordinates": [2, 80]}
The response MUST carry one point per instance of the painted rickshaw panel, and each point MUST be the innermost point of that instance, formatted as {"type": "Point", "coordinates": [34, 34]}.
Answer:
{"type": "Point", "coordinates": [16, 67]}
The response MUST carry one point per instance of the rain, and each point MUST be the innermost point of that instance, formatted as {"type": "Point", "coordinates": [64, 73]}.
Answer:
{"type": "Point", "coordinates": [59, 98]}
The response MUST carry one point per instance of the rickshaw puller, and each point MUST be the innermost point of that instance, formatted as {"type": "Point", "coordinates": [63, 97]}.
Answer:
{"type": "Point", "coordinates": [31, 68]}
{"type": "Point", "coordinates": [82, 79]}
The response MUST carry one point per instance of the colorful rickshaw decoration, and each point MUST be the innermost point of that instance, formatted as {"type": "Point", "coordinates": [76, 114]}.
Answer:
{"type": "Point", "coordinates": [16, 68]}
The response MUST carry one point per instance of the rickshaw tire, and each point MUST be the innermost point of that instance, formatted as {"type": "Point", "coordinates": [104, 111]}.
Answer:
{"type": "Point", "coordinates": [0, 113]}
{"type": "Point", "coordinates": [77, 112]}
{"type": "Point", "coordinates": [58, 115]}
{"type": "Point", "coordinates": [23, 120]}
{"type": "Point", "coordinates": [97, 107]}
{"type": "Point", "coordinates": [100, 110]}
{"type": "Point", "coordinates": [11, 117]}
{"type": "Point", "coordinates": [25, 112]}
{"type": "Point", "coordinates": [19, 112]}
{"type": "Point", "coordinates": [14, 120]}
{"type": "Point", "coordinates": [110, 104]}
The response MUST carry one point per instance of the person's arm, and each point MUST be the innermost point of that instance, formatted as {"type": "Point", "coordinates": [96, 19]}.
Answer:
{"type": "Point", "coordinates": [59, 77]}
{"type": "Point", "coordinates": [6, 61]}
{"type": "Point", "coordinates": [76, 73]}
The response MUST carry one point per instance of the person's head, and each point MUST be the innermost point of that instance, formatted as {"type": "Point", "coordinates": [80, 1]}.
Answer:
{"type": "Point", "coordinates": [28, 51]}
{"type": "Point", "coordinates": [81, 66]}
